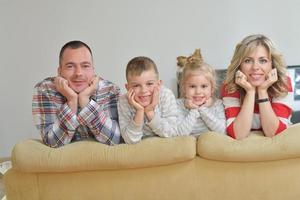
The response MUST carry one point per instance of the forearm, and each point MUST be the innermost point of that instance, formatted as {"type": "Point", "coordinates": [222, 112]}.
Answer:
{"type": "Point", "coordinates": [214, 118]}
{"type": "Point", "coordinates": [104, 127]}
{"type": "Point", "coordinates": [58, 129]}
{"type": "Point", "coordinates": [131, 132]}
{"type": "Point", "coordinates": [242, 123]}
{"type": "Point", "coordinates": [269, 120]}
{"type": "Point", "coordinates": [186, 123]}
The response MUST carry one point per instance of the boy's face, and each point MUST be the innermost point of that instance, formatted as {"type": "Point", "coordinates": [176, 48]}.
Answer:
{"type": "Point", "coordinates": [143, 86]}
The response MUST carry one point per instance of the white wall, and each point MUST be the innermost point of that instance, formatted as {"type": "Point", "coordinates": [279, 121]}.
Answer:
{"type": "Point", "coordinates": [32, 33]}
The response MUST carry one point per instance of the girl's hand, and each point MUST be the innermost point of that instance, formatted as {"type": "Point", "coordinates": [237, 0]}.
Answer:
{"type": "Point", "coordinates": [189, 104]}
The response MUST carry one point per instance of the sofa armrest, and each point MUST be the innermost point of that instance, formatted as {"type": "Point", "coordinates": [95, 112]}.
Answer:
{"type": "Point", "coordinates": [33, 156]}
{"type": "Point", "coordinates": [256, 147]}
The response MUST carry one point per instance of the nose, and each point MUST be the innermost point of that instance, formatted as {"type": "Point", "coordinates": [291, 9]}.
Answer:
{"type": "Point", "coordinates": [255, 65]}
{"type": "Point", "coordinates": [198, 90]}
{"type": "Point", "coordinates": [78, 70]}
{"type": "Point", "coordinates": [143, 88]}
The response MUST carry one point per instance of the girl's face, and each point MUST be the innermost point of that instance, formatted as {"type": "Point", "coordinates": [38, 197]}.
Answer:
{"type": "Point", "coordinates": [143, 86]}
{"type": "Point", "coordinates": [196, 88]}
{"type": "Point", "coordinates": [256, 66]}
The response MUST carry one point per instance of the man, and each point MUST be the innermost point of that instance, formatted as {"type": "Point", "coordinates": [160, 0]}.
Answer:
{"type": "Point", "coordinates": [76, 104]}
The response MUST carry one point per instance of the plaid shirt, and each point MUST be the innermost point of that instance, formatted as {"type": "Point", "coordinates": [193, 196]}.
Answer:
{"type": "Point", "coordinates": [58, 125]}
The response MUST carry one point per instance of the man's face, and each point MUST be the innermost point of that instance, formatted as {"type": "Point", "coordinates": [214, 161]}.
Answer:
{"type": "Point", "coordinates": [143, 86]}
{"type": "Point", "coordinates": [77, 68]}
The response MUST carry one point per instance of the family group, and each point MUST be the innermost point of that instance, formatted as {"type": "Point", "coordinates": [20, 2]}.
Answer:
{"type": "Point", "coordinates": [77, 104]}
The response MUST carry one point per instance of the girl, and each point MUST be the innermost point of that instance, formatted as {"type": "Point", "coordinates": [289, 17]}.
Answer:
{"type": "Point", "coordinates": [199, 109]}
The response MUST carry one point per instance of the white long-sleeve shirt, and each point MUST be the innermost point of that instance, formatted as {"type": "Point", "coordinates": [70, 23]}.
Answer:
{"type": "Point", "coordinates": [163, 123]}
{"type": "Point", "coordinates": [197, 121]}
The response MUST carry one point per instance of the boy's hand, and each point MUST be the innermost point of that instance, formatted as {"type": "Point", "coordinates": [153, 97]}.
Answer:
{"type": "Point", "coordinates": [131, 100]}
{"type": "Point", "coordinates": [149, 110]}
{"type": "Point", "coordinates": [241, 80]}
{"type": "Point", "coordinates": [84, 96]}
{"type": "Point", "coordinates": [270, 79]}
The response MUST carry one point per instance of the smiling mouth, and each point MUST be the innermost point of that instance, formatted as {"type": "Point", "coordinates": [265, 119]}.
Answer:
{"type": "Point", "coordinates": [256, 76]}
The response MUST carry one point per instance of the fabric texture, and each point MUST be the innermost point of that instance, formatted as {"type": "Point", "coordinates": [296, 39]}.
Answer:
{"type": "Point", "coordinates": [163, 123]}
{"type": "Point", "coordinates": [280, 105]}
{"type": "Point", "coordinates": [254, 148]}
{"type": "Point", "coordinates": [58, 125]}
{"type": "Point", "coordinates": [90, 155]}
{"type": "Point", "coordinates": [197, 121]}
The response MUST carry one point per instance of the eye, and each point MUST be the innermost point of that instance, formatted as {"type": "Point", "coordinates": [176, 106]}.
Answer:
{"type": "Point", "coordinates": [247, 60]}
{"type": "Point", "coordinates": [135, 86]}
{"type": "Point", "coordinates": [150, 83]}
{"type": "Point", "coordinates": [263, 61]}
{"type": "Point", "coordinates": [204, 86]}
{"type": "Point", "coordinates": [86, 66]}
{"type": "Point", "coordinates": [69, 66]}
{"type": "Point", "coordinates": [192, 86]}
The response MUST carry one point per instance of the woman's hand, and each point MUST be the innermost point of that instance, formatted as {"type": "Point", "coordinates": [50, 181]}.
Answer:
{"type": "Point", "coordinates": [270, 79]}
{"type": "Point", "coordinates": [241, 80]}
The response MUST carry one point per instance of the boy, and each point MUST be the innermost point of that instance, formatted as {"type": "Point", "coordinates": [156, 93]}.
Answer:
{"type": "Point", "coordinates": [148, 108]}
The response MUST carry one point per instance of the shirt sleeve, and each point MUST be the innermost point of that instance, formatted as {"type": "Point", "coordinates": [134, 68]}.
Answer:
{"type": "Point", "coordinates": [56, 124]}
{"type": "Point", "coordinates": [214, 117]}
{"type": "Point", "coordinates": [186, 119]}
{"type": "Point", "coordinates": [282, 109]}
{"type": "Point", "coordinates": [232, 108]}
{"type": "Point", "coordinates": [130, 131]}
{"type": "Point", "coordinates": [101, 116]}
{"type": "Point", "coordinates": [163, 123]}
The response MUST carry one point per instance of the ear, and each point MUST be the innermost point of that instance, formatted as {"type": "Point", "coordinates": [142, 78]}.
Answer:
{"type": "Point", "coordinates": [59, 71]}
{"type": "Point", "coordinates": [159, 83]}
{"type": "Point", "coordinates": [127, 86]}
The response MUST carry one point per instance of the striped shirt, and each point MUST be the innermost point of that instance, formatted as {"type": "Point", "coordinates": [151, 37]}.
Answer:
{"type": "Point", "coordinates": [204, 119]}
{"type": "Point", "coordinates": [163, 123]}
{"type": "Point", "coordinates": [281, 107]}
{"type": "Point", "coordinates": [58, 125]}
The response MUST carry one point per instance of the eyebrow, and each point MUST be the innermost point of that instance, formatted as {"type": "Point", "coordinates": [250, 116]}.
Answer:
{"type": "Point", "coordinates": [72, 63]}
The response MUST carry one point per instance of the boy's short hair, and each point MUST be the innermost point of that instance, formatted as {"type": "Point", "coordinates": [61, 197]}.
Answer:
{"type": "Point", "coordinates": [138, 65]}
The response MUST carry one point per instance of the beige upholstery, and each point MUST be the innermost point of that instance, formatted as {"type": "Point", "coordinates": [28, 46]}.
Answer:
{"type": "Point", "coordinates": [254, 148]}
{"type": "Point", "coordinates": [90, 155]}
{"type": "Point", "coordinates": [159, 168]}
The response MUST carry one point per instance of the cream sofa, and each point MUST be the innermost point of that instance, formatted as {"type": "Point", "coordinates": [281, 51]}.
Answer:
{"type": "Point", "coordinates": [213, 167]}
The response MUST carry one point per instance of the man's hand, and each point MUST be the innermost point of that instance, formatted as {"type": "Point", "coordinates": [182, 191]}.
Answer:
{"type": "Point", "coordinates": [149, 110]}
{"type": "Point", "coordinates": [270, 79]}
{"type": "Point", "coordinates": [84, 96]}
{"type": "Point", "coordinates": [62, 86]}
{"type": "Point", "coordinates": [241, 80]}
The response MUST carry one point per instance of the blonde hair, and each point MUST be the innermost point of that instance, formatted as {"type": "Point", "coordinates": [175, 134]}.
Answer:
{"type": "Point", "coordinates": [138, 65]}
{"type": "Point", "coordinates": [192, 64]}
{"type": "Point", "coordinates": [246, 47]}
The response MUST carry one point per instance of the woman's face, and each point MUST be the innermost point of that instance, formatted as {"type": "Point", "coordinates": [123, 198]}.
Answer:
{"type": "Point", "coordinates": [256, 66]}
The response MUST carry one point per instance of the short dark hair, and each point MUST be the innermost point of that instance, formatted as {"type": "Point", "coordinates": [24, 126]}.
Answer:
{"type": "Point", "coordinates": [75, 44]}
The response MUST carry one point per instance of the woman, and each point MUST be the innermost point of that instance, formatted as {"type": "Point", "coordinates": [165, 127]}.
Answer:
{"type": "Point", "coordinates": [257, 90]}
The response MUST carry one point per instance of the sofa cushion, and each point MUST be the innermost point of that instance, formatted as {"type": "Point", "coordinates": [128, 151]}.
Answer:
{"type": "Point", "coordinates": [33, 156]}
{"type": "Point", "coordinates": [255, 147]}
